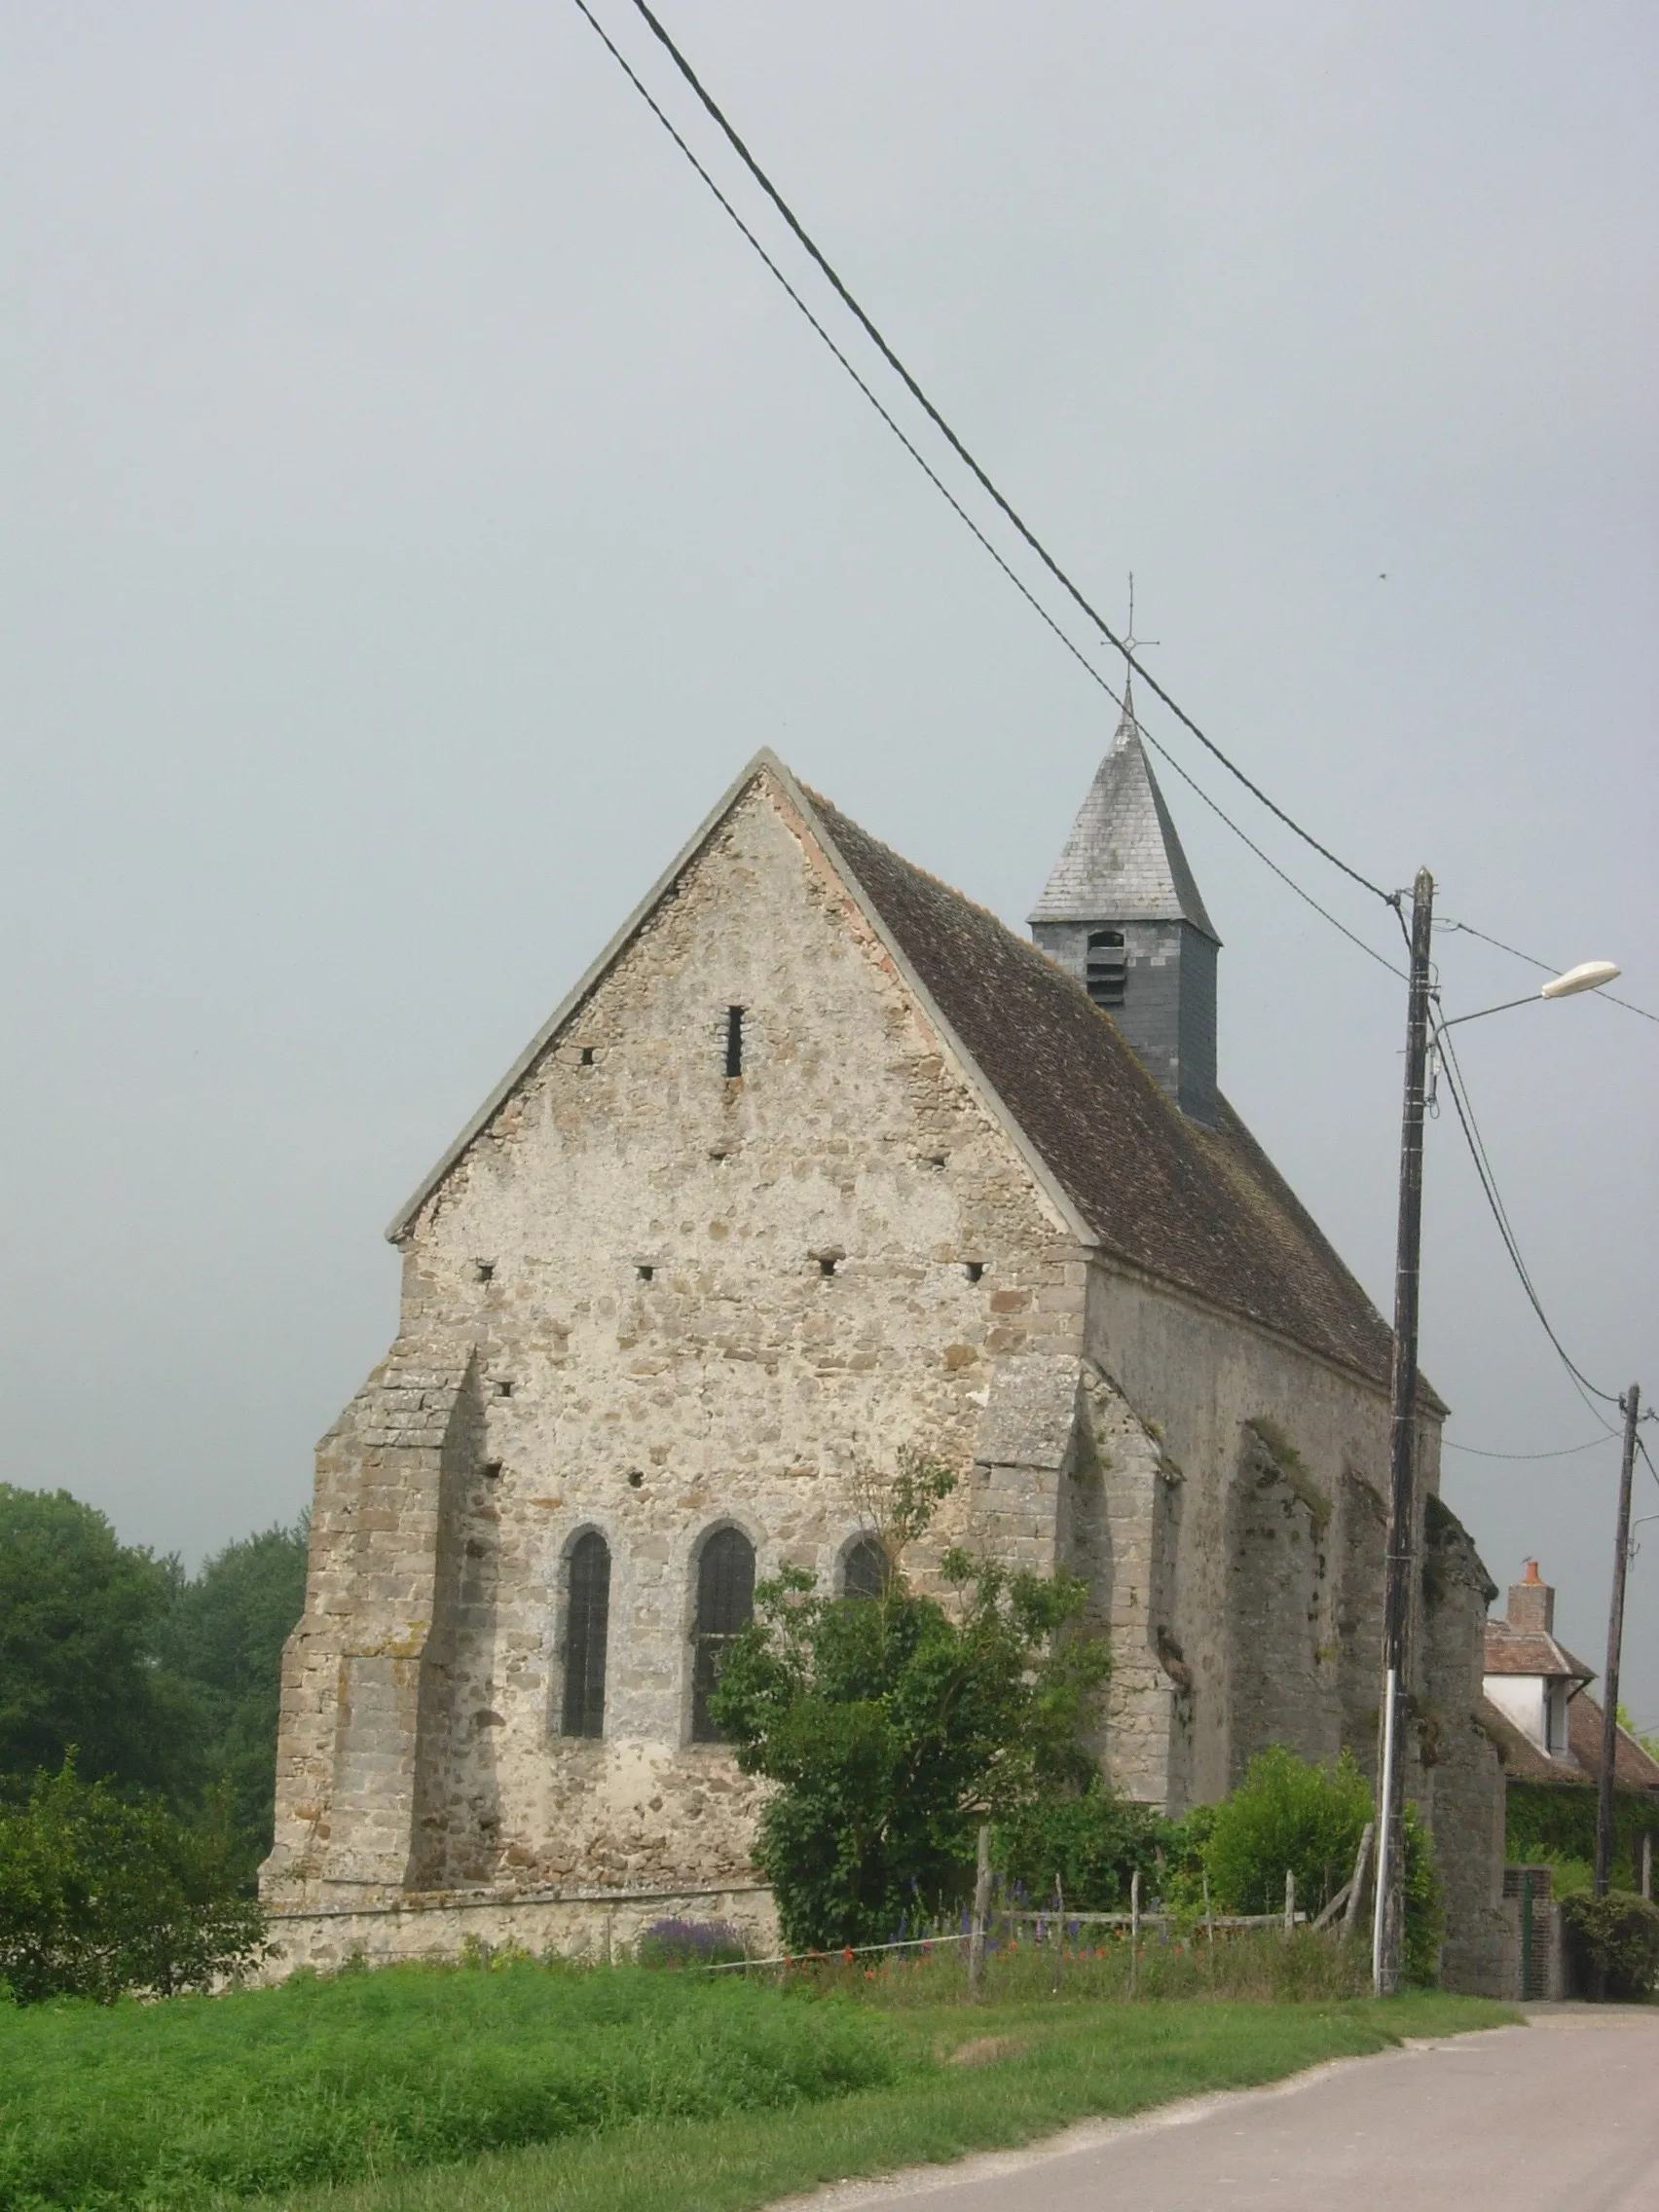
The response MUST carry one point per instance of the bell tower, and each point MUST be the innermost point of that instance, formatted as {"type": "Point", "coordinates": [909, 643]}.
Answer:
{"type": "Point", "coordinates": [1122, 912]}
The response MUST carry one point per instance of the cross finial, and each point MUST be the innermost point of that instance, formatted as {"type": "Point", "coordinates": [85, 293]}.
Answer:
{"type": "Point", "coordinates": [1131, 643]}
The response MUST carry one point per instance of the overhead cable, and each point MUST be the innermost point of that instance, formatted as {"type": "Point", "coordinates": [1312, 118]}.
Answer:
{"type": "Point", "coordinates": [1587, 1390]}
{"type": "Point", "coordinates": [1566, 1452]}
{"type": "Point", "coordinates": [1038, 609]}
{"type": "Point", "coordinates": [928, 406]}
{"type": "Point", "coordinates": [1549, 967]}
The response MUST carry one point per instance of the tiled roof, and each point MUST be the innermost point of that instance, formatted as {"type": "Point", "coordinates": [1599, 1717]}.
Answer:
{"type": "Point", "coordinates": [1578, 1768]}
{"type": "Point", "coordinates": [1633, 1769]}
{"type": "Point", "coordinates": [1123, 861]}
{"type": "Point", "coordinates": [1201, 1209]}
{"type": "Point", "coordinates": [1529, 1651]}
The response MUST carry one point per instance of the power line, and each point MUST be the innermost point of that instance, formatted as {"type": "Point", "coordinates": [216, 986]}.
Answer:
{"type": "Point", "coordinates": [928, 406]}
{"type": "Point", "coordinates": [1458, 1089]}
{"type": "Point", "coordinates": [1566, 1452]}
{"type": "Point", "coordinates": [1549, 967]}
{"type": "Point", "coordinates": [1038, 609]}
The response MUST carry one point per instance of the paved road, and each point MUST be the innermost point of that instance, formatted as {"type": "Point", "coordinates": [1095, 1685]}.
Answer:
{"type": "Point", "coordinates": [1560, 2116]}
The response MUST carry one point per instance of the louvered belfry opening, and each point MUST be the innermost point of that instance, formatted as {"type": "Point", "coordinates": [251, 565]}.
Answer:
{"type": "Point", "coordinates": [587, 1625]}
{"type": "Point", "coordinates": [1107, 968]}
{"type": "Point", "coordinates": [866, 1571]}
{"type": "Point", "coordinates": [725, 1606]}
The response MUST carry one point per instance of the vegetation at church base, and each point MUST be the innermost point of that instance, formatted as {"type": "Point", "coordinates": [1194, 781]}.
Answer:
{"type": "Point", "coordinates": [599, 2089]}
{"type": "Point", "coordinates": [892, 1725]}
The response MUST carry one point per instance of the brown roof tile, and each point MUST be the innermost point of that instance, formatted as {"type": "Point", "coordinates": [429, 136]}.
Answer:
{"type": "Point", "coordinates": [1203, 1209]}
{"type": "Point", "coordinates": [1529, 1651]}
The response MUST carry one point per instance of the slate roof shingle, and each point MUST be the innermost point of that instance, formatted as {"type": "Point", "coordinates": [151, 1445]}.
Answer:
{"type": "Point", "coordinates": [1203, 1209]}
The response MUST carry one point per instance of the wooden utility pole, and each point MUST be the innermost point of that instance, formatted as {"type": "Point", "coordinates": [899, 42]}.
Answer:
{"type": "Point", "coordinates": [1388, 1926]}
{"type": "Point", "coordinates": [1615, 1639]}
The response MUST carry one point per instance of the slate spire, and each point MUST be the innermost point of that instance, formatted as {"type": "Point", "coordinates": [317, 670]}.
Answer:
{"type": "Point", "coordinates": [1122, 910]}
{"type": "Point", "coordinates": [1123, 860]}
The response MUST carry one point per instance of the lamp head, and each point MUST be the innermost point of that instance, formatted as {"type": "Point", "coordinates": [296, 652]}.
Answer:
{"type": "Point", "coordinates": [1588, 976]}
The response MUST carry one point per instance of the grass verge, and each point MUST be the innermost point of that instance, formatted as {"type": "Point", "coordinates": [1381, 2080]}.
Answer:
{"type": "Point", "coordinates": [1061, 2062]}
{"type": "Point", "coordinates": [609, 2090]}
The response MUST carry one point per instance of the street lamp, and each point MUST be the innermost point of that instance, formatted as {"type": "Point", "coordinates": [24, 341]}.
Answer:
{"type": "Point", "coordinates": [1387, 1935]}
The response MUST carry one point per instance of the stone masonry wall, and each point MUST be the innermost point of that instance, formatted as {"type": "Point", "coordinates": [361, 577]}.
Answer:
{"type": "Point", "coordinates": [683, 1302]}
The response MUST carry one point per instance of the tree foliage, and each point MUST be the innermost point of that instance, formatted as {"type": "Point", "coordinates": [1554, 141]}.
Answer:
{"type": "Point", "coordinates": [99, 1894]}
{"type": "Point", "coordinates": [893, 1725]}
{"type": "Point", "coordinates": [1618, 1937]}
{"type": "Point", "coordinates": [79, 1617]}
{"type": "Point", "coordinates": [1090, 1842]}
{"type": "Point", "coordinates": [223, 1638]}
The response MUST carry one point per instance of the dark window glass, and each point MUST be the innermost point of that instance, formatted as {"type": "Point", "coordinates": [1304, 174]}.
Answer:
{"type": "Point", "coordinates": [865, 1575]}
{"type": "Point", "coordinates": [586, 1624]}
{"type": "Point", "coordinates": [725, 1606]}
{"type": "Point", "coordinates": [1105, 968]}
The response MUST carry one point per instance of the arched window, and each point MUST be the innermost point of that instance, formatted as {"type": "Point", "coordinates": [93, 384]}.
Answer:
{"type": "Point", "coordinates": [725, 1606]}
{"type": "Point", "coordinates": [1105, 968]}
{"type": "Point", "coordinates": [865, 1569]}
{"type": "Point", "coordinates": [587, 1622]}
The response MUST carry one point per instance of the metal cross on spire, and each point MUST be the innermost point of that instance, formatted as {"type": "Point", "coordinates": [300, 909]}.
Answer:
{"type": "Point", "coordinates": [1132, 643]}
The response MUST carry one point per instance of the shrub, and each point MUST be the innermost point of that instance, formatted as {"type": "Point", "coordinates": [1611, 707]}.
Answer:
{"type": "Point", "coordinates": [100, 1896]}
{"type": "Point", "coordinates": [1091, 1841]}
{"type": "Point", "coordinates": [691, 1943]}
{"type": "Point", "coordinates": [1618, 1936]}
{"type": "Point", "coordinates": [1289, 1815]}
{"type": "Point", "coordinates": [892, 1726]}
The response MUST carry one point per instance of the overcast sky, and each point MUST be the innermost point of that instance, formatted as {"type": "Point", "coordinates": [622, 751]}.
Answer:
{"type": "Point", "coordinates": [420, 502]}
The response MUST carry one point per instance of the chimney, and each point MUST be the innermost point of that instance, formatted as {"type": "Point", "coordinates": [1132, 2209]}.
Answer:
{"type": "Point", "coordinates": [1531, 1603]}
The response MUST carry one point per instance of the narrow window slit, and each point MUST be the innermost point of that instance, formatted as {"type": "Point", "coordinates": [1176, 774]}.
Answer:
{"type": "Point", "coordinates": [734, 1043]}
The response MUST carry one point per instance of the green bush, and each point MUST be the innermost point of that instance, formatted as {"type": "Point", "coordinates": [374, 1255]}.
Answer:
{"type": "Point", "coordinates": [1289, 1815]}
{"type": "Point", "coordinates": [98, 1896]}
{"type": "Point", "coordinates": [893, 1725]}
{"type": "Point", "coordinates": [1618, 1936]}
{"type": "Point", "coordinates": [1091, 1841]}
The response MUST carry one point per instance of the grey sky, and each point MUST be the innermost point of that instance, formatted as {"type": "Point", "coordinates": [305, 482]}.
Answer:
{"type": "Point", "coordinates": [420, 504]}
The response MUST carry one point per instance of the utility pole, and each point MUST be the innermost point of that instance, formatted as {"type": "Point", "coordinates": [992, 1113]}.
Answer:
{"type": "Point", "coordinates": [1388, 1925]}
{"type": "Point", "coordinates": [1615, 1639]}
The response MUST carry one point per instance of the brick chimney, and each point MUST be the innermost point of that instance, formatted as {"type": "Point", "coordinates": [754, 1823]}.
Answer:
{"type": "Point", "coordinates": [1531, 1603]}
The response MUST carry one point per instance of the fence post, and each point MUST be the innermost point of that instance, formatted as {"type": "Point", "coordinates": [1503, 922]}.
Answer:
{"type": "Point", "coordinates": [1356, 1888]}
{"type": "Point", "coordinates": [1289, 1904]}
{"type": "Point", "coordinates": [1210, 1924]}
{"type": "Point", "coordinates": [981, 1907]}
{"type": "Point", "coordinates": [1059, 1932]}
{"type": "Point", "coordinates": [1134, 1932]}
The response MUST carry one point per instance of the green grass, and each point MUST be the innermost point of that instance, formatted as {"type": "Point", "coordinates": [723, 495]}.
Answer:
{"type": "Point", "coordinates": [601, 2090]}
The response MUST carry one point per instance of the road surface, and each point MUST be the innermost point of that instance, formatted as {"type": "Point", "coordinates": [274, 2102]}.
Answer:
{"type": "Point", "coordinates": [1560, 2116]}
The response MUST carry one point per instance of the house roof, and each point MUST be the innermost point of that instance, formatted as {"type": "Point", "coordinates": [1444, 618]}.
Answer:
{"type": "Point", "coordinates": [1578, 1767]}
{"type": "Point", "coordinates": [1513, 1650]}
{"type": "Point", "coordinates": [1202, 1209]}
{"type": "Point", "coordinates": [1123, 860]}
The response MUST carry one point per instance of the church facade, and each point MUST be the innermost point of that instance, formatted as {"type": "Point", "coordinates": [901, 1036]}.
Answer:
{"type": "Point", "coordinates": [820, 1160]}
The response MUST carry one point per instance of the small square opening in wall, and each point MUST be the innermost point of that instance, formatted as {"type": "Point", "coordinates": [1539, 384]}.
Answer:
{"type": "Point", "coordinates": [587, 1056]}
{"type": "Point", "coordinates": [829, 1261]}
{"type": "Point", "coordinates": [503, 1389]}
{"type": "Point", "coordinates": [644, 1271]}
{"type": "Point", "coordinates": [973, 1269]}
{"type": "Point", "coordinates": [484, 1269]}
{"type": "Point", "coordinates": [491, 1470]}
{"type": "Point", "coordinates": [635, 1478]}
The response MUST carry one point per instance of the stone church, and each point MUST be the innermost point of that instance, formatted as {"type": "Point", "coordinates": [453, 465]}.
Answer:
{"type": "Point", "coordinates": [817, 1160]}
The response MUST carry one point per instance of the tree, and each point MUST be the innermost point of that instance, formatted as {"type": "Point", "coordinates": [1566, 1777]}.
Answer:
{"type": "Point", "coordinates": [223, 1638]}
{"type": "Point", "coordinates": [100, 1895]}
{"type": "Point", "coordinates": [892, 1724]}
{"type": "Point", "coordinates": [80, 1613]}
